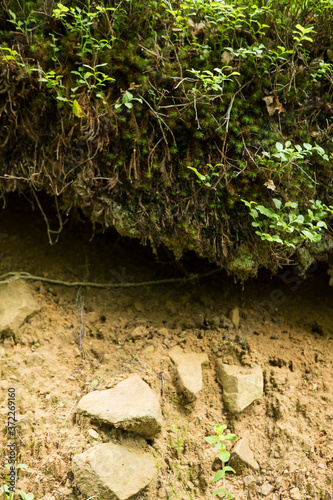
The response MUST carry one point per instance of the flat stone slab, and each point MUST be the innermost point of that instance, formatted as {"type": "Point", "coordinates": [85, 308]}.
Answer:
{"type": "Point", "coordinates": [112, 472]}
{"type": "Point", "coordinates": [189, 371]}
{"type": "Point", "coordinates": [242, 457]}
{"type": "Point", "coordinates": [241, 386]}
{"type": "Point", "coordinates": [131, 405]}
{"type": "Point", "coordinates": [17, 303]}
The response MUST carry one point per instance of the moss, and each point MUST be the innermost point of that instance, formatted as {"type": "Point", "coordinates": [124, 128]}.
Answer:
{"type": "Point", "coordinates": [243, 265]}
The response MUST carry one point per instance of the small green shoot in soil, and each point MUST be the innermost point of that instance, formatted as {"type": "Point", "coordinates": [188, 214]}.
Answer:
{"type": "Point", "coordinates": [224, 456]}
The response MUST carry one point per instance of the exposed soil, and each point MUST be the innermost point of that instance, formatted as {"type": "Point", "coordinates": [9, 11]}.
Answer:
{"type": "Point", "coordinates": [286, 327]}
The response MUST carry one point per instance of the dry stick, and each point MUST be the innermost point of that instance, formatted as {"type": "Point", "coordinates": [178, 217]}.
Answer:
{"type": "Point", "coordinates": [13, 276]}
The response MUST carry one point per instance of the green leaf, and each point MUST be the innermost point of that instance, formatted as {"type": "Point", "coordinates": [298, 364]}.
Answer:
{"type": "Point", "coordinates": [26, 496]}
{"type": "Point", "coordinates": [269, 212]}
{"type": "Point", "coordinates": [277, 203]}
{"type": "Point", "coordinates": [218, 475]}
{"type": "Point", "coordinates": [227, 468]}
{"type": "Point", "coordinates": [212, 439]}
{"type": "Point", "coordinates": [224, 456]}
{"type": "Point", "coordinates": [230, 437]}
{"type": "Point", "coordinates": [128, 105]}
{"type": "Point", "coordinates": [219, 429]}
{"type": "Point", "coordinates": [279, 146]}
{"type": "Point", "coordinates": [221, 490]}
{"type": "Point", "coordinates": [94, 383]}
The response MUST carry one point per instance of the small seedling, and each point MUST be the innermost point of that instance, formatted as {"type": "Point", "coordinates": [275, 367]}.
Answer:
{"type": "Point", "coordinates": [224, 456]}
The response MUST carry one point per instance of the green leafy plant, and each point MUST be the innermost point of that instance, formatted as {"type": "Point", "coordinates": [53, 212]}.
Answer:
{"type": "Point", "coordinates": [206, 179]}
{"type": "Point", "coordinates": [25, 26]}
{"type": "Point", "coordinates": [284, 225]}
{"type": "Point", "coordinates": [224, 455]}
{"type": "Point", "coordinates": [12, 55]}
{"type": "Point", "coordinates": [80, 21]}
{"type": "Point", "coordinates": [301, 34]}
{"type": "Point", "coordinates": [127, 100]}
{"type": "Point", "coordinates": [211, 81]}
{"type": "Point", "coordinates": [92, 79]}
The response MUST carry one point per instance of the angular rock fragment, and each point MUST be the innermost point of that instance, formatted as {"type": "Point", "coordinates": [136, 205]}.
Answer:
{"type": "Point", "coordinates": [131, 405]}
{"type": "Point", "coordinates": [112, 472]}
{"type": "Point", "coordinates": [266, 489]}
{"type": "Point", "coordinates": [17, 303]}
{"type": "Point", "coordinates": [242, 457]}
{"type": "Point", "coordinates": [189, 371]}
{"type": "Point", "coordinates": [241, 386]}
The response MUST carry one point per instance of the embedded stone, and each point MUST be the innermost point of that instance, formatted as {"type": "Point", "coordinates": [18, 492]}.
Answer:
{"type": "Point", "coordinates": [242, 457]}
{"type": "Point", "coordinates": [266, 489]}
{"type": "Point", "coordinates": [241, 386]}
{"type": "Point", "coordinates": [17, 303]}
{"type": "Point", "coordinates": [138, 332]}
{"type": "Point", "coordinates": [234, 317]}
{"type": "Point", "coordinates": [112, 472]}
{"type": "Point", "coordinates": [131, 405]}
{"type": "Point", "coordinates": [189, 371]}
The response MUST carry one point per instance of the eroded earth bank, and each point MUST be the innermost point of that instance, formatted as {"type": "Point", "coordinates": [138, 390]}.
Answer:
{"type": "Point", "coordinates": [150, 347]}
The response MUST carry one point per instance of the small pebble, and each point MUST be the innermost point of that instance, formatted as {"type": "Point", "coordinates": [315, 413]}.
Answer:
{"type": "Point", "coordinates": [266, 489]}
{"type": "Point", "coordinates": [295, 493]}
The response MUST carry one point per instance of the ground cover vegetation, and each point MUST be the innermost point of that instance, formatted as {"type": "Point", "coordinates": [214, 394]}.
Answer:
{"type": "Point", "coordinates": [175, 121]}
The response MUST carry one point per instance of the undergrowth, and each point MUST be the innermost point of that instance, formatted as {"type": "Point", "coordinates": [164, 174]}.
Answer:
{"type": "Point", "coordinates": [159, 117]}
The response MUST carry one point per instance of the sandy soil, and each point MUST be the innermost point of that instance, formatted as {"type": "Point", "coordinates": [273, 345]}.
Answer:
{"type": "Point", "coordinates": [286, 326]}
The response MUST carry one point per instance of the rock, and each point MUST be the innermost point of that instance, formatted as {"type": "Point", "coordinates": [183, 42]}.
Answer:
{"type": "Point", "coordinates": [234, 317]}
{"type": "Point", "coordinates": [4, 384]}
{"type": "Point", "coordinates": [17, 303]}
{"type": "Point", "coordinates": [266, 489]}
{"type": "Point", "coordinates": [295, 494]}
{"type": "Point", "coordinates": [242, 457]}
{"type": "Point", "coordinates": [93, 433]}
{"type": "Point", "coordinates": [138, 332]}
{"type": "Point", "coordinates": [112, 472]}
{"type": "Point", "coordinates": [241, 386]}
{"type": "Point", "coordinates": [189, 371]}
{"type": "Point", "coordinates": [131, 405]}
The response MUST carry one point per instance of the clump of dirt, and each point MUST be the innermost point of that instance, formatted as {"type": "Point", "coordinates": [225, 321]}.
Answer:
{"type": "Point", "coordinates": [286, 327]}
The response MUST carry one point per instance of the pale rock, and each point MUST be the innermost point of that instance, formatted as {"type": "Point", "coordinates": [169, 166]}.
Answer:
{"type": "Point", "coordinates": [17, 303]}
{"type": "Point", "coordinates": [131, 405]}
{"type": "Point", "coordinates": [189, 371]}
{"type": "Point", "coordinates": [295, 494]}
{"type": "Point", "coordinates": [92, 433]}
{"type": "Point", "coordinates": [241, 386]}
{"type": "Point", "coordinates": [138, 332]}
{"type": "Point", "coordinates": [112, 472]}
{"type": "Point", "coordinates": [234, 317]}
{"type": "Point", "coordinates": [242, 457]}
{"type": "Point", "coordinates": [266, 489]}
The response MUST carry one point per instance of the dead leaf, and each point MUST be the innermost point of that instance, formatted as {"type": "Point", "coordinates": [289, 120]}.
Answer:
{"type": "Point", "coordinates": [273, 104]}
{"type": "Point", "coordinates": [270, 185]}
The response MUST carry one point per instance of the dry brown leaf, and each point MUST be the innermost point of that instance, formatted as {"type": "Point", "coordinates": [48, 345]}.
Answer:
{"type": "Point", "coordinates": [273, 104]}
{"type": "Point", "coordinates": [270, 185]}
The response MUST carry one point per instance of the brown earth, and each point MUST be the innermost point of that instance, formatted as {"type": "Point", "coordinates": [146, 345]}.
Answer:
{"type": "Point", "coordinates": [286, 326]}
